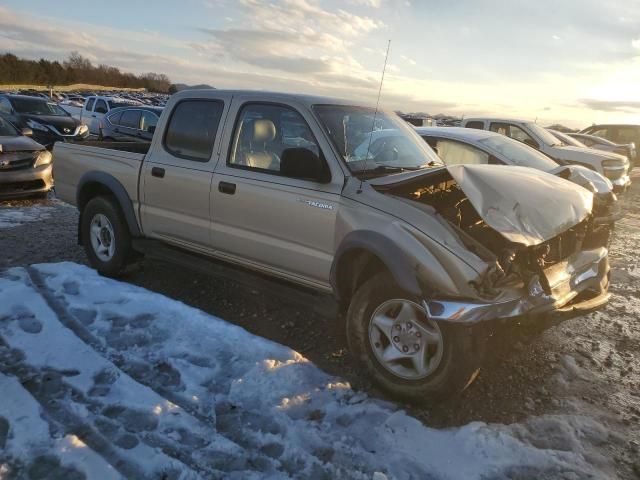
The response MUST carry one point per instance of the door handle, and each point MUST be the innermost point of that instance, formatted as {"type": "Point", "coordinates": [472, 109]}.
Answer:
{"type": "Point", "coordinates": [226, 187]}
{"type": "Point", "coordinates": [94, 116]}
{"type": "Point", "coordinates": [157, 172]}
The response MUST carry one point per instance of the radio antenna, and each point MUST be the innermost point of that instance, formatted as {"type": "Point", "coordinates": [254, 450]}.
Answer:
{"type": "Point", "coordinates": [375, 114]}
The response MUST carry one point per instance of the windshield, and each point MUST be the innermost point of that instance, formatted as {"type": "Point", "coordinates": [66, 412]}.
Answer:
{"type": "Point", "coordinates": [6, 129]}
{"type": "Point", "coordinates": [35, 106]}
{"type": "Point", "coordinates": [564, 138]}
{"type": "Point", "coordinates": [377, 143]}
{"type": "Point", "coordinates": [544, 135]}
{"type": "Point", "coordinates": [518, 153]}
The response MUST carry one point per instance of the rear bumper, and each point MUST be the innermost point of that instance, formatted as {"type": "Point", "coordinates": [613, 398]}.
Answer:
{"type": "Point", "coordinates": [25, 182]}
{"type": "Point", "coordinates": [579, 284]}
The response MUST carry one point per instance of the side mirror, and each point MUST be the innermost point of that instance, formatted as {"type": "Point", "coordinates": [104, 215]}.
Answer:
{"type": "Point", "coordinates": [151, 129]}
{"type": "Point", "coordinates": [27, 132]}
{"type": "Point", "coordinates": [304, 164]}
{"type": "Point", "coordinates": [532, 143]}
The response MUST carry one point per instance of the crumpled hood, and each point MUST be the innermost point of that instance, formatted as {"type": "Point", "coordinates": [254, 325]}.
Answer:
{"type": "Point", "coordinates": [585, 177]}
{"type": "Point", "coordinates": [526, 206]}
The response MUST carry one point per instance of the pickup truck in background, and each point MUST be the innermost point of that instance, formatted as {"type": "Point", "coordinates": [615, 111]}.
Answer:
{"type": "Point", "coordinates": [613, 166]}
{"type": "Point", "coordinates": [424, 259]}
{"type": "Point", "coordinates": [94, 110]}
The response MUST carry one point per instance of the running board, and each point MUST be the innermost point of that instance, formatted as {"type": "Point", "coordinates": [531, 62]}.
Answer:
{"type": "Point", "coordinates": [292, 294]}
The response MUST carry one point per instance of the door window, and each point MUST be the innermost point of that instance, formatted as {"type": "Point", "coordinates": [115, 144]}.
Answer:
{"type": "Point", "coordinates": [511, 131]}
{"type": "Point", "coordinates": [264, 132]}
{"type": "Point", "coordinates": [130, 119]}
{"type": "Point", "coordinates": [478, 125]}
{"type": "Point", "coordinates": [5, 106]}
{"type": "Point", "coordinates": [457, 153]}
{"type": "Point", "coordinates": [101, 107]}
{"type": "Point", "coordinates": [192, 128]}
{"type": "Point", "coordinates": [89, 105]}
{"type": "Point", "coordinates": [148, 120]}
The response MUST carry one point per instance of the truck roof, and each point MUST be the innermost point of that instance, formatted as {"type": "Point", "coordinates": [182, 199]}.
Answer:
{"type": "Point", "coordinates": [496, 119]}
{"type": "Point", "coordinates": [284, 97]}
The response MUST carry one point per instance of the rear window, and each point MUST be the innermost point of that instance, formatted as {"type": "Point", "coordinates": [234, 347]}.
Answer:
{"type": "Point", "coordinates": [192, 129]}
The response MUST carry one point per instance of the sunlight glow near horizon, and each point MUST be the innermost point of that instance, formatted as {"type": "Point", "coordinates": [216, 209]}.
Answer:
{"type": "Point", "coordinates": [575, 62]}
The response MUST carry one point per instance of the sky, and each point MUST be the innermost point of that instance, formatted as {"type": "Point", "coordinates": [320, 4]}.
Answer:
{"type": "Point", "coordinates": [575, 62]}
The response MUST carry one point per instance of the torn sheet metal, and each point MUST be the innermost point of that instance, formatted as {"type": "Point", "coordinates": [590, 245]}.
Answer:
{"type": "Point", "coordinates": [585, 177]}
{"type": "Point", "coordinates": [526, 206]}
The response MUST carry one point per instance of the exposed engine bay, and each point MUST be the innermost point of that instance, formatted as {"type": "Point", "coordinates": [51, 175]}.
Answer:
{"type": "Point", "coordinates": [515, 262]}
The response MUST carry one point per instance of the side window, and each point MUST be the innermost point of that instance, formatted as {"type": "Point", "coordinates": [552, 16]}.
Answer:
{"type": "Point", "coordinates": [501, 128]}
{"type": "Point", "coordinates": [89, 105]}
{"type": "Point", "coordinates": [149, 119]}
{"type": "Point", "coordinates": [478, 125]}
{"type": "Point", "coordinates": [192, 129]}
{"type": "Point", "coordinates": [264, 133]}
{"type": "Point", "coordinates": [627, 135]}
{"type": "Point", "coordinates": [115, 118]}
{"type": "Point", "coordinates": [101, 107]}
{"type": "Point", "coordinates": [519, 134]}
{"type": "Point", "coordinates": [130, 119]}
{"type": "Point", "coordinates": [457, 153]}
{"type": "Point", "coordinates": [5, 106]}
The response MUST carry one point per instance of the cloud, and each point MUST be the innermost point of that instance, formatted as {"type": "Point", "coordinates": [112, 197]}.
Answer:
{"type": "Point", "coordinates": [367, 3]}
{"type": "Point", "coordinates": [611, 105]}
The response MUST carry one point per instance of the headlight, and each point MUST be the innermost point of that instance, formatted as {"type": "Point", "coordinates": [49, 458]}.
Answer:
{"type": "Point", "coordinates": [37, 126]}
{"type": "Point", "coordinates": [43, 158]}
{"type": "Point", "coordinates": [83, 129]}
{"type": "Point", "coordinates": [612, 164]}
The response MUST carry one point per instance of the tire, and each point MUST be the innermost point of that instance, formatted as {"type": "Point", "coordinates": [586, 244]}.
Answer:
{"type": "Point", "coordinates": [114, 236]}
{"type": "Point", "coordinates": [453, 361]}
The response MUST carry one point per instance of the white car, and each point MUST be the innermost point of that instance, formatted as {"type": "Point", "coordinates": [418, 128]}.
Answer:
{"type": "Point", "coordinates": [613, 166]}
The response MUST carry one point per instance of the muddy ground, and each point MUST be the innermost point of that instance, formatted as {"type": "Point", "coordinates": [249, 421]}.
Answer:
{"type": "Point", "coordinates": [588, 365]}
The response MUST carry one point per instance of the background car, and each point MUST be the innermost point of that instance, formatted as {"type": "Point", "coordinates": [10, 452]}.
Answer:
{"type": "Point", "coordinates": [599, 143]}
{"type": "Point", "coordinates": [619, 133]}
{"type": "Point", "coordinates": [48, 121]}
{"type": "Point", "coordinates": [613, 166]}
{"type": "Point", "coordinates": [96, 107]}
{"type": "Point", "coordinates": [130, 124]}
{"type": "Point", "coordinates": [25, 165]}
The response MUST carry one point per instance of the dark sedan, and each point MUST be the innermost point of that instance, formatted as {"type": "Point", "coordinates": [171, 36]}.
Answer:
{"type": "Point", "coordinates": [25, 166]}
{"type": "Point", "coordinates": [49, 122]}
{"type": "Point", "coordinates": [622, 134]}
{"type": "Point", "coordinates": [599, 143]}
{"type": "Point", "coordinates": [125, 124]}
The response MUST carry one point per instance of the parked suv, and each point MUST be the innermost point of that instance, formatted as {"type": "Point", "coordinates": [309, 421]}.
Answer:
{"type": "Point", "coordinates": [131, 124]}
{"type": "Point", "coordinates": [613, 166]}
{"type": "Point", "coordinates": [424, 259]}
{"type": "Point", "coordinates": [621, 134]}
{"type": "Point", "coordinates": [25, 165]}
{"type": "Point", "coordinates": [48, 121]}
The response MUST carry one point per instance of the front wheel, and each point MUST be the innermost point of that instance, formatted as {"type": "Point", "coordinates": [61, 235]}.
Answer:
{"type": "Point", "coordinates": [105, 236]}
{"type": "Point", "coordinates": [406, 353]}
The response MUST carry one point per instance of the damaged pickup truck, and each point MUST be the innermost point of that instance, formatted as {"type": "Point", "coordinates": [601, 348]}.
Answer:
{"type": "Point", "coordinates": [420, 255]}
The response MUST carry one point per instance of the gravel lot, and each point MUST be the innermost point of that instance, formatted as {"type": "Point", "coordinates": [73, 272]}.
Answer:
{"type": "Point", "coordinates": [588, 366]}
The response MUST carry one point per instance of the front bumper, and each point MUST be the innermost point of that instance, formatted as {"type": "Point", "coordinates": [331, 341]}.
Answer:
{"type": "Point", "coordinates": [577, 284]}
{"type": "Point", "coordinates": [621, 184]}
{"type": "Point", "coordinates": [28, 181]}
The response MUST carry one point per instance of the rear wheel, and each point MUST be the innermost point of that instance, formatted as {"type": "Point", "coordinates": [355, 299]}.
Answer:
{"type": "Point", "coordinates": [105, 236]}
{"type": "Point", "coordinates": [406, 353]}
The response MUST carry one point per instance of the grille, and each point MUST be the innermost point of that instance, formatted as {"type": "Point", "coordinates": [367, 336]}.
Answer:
{"type": "Point", "coordinates": [16, 161]}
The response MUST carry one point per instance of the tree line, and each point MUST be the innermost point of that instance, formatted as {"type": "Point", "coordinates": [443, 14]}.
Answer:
{"type": "Point", "coordinates": [75, 69]}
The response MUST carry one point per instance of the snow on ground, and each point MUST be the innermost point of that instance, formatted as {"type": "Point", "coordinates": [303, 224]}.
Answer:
{"type": "Point", "coordinates": [102, 379]}
{"type": "Point", "coordinates": [13, 217]}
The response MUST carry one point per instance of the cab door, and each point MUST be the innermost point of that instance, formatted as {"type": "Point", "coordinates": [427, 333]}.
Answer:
{"type": "Point", "coordinates": [264, 216]}
{"type": "Point", "coordinates": [176, 175]}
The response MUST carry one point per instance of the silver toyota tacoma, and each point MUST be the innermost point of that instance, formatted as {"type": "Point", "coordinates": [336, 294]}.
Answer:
{"type": "Point", "coordinates": [421, 257]}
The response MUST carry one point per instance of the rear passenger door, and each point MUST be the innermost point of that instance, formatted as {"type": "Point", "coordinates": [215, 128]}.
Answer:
{"type": "Point", "coordinates": [129, 126]}
{"type": "Point", "coordinates": [176, 175]}
{"type": "Point", "coordinates": [261, 216]}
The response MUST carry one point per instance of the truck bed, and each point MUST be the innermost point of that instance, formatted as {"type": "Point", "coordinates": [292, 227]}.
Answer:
{"type": "Point", "coordinates": [73, 161]}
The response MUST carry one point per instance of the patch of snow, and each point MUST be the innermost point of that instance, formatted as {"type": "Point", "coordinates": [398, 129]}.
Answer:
{"type": "Point", "coordinates": [13, 217]}
{"type": "Point", "coordinates": [167, 388]}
